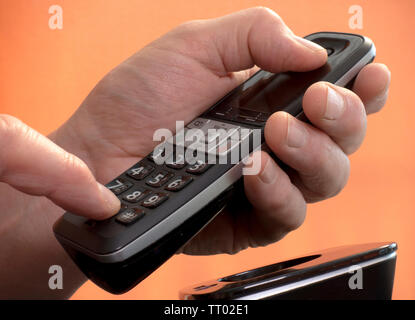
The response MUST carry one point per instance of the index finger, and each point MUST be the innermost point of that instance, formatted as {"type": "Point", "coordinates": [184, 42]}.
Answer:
{"type": "Point", "coordinates": [35, 165]}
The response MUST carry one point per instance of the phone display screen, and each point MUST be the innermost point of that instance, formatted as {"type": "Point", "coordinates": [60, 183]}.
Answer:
{"type": "Point", "coordinates": [266, 93]}
{"type": "Point", "coordinates": [273, 92]}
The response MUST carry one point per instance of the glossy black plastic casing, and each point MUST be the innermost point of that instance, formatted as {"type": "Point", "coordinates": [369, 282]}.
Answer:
{"type": "Point", "coordinates": [324, 275]}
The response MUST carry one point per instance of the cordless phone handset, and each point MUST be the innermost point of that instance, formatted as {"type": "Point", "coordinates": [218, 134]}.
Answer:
{"type": "Point", "coordinates": [171, 194]}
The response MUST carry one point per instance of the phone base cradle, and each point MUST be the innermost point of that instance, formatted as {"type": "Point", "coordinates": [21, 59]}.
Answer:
{"type": "Point", "coordinates": [356, 272]}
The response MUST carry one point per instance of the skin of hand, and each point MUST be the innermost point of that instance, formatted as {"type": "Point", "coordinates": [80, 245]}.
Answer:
{"type": "Point", "coordinates": [177, 77]}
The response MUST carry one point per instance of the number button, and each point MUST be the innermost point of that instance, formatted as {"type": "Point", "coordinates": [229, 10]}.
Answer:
{"type": "Point", "coordinates": [155, 200]}
{"type": "Point", "coordinates": [139, 173]}
{"type": "Point", "coordinates": [119, 186]}
{"type": "Point", "coordinates": [198, 168]}
{"type": "Point", "coordinates": [157, 154]}
{"type": "Point", "coordinates": [179, 183]}
{"type": "Point", "coordinates": [129, 216]}
{"type": "Point", "coordinates": [136, 195]}
{"type": "Point", "coordinates": [158, 179]}
{"type": "Point", "coordinates": [176, 162]}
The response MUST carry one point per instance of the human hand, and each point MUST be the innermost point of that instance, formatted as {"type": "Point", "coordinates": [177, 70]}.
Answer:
{"type": "Point", "coordinates": [181, 74]}
{"type": "Point", "coordinates": [33, 164]}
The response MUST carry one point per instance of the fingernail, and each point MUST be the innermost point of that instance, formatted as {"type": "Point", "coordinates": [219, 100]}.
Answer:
{"type": "Point", "coordinates": [248, 162]}
{"type": "Point", "coordinates": [253, 164]}
{"type": "Point", "coordinates": [334, 105]}
{"type": "Point", "coordinates": [112, 202]}
{"type": "Point", "coordinates": [269, 173]}
{"type": "Point", "coordinates": [309, 44]}
{"type": "Point", "coordinates": [297, 134]}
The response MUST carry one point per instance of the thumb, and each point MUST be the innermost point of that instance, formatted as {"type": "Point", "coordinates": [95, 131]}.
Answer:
{"type": "Point", "coordinates": [33, 164]}
{"type": "Point", "coordinates": [238, 41]}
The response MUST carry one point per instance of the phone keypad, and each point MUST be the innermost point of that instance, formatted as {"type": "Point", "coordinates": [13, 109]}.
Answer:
{"type": "Point", "coordinates": [149, 184]}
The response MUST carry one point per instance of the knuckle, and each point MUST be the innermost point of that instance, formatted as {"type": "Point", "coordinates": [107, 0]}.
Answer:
{"type": "Point", "coordinates": [291, 210]}
{"type": "Point", "coordinates": [191, 38]}
{"type": "Point", "coordinates": [188, 27]}
{"type": "Point", "coordinates": [263, 13]}
{"type": "Point", "coordinates": [296, 221]}
{"type": "Point", "coordinates": [13, 133]}
{"type": "Point", "coordinates": [335, 180]}
{"type": "Point", "coordinates": [265, 21]}
{"type": "Point", "coordinates": [8, 123]}
{"type": "Point", "coordinates": [330, 173]}
{"type": "Point", "coordinates": [377, 103]}
{"type": "Point", "coordinates": [74, 168]}
{"type": "Point", "coordinates": [320, 156]}
{"type": "Point", "coordinates": [9, 130]}
{"type": "Point", "coordinates": [350, 148]}
{"type": "Point", "coordinates": [111, 89]}
{"type": "Point", "coordinates": [279, 201]}
{"type": "Point", "coordinates": [111, 80]}
{"type": "Point", "coordinates": [337, 186]}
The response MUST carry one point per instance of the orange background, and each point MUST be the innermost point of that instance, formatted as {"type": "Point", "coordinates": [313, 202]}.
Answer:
{"type": "Point", "coordinates": [45, 75]}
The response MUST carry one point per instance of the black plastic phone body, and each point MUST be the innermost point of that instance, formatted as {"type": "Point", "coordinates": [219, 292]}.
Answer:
{"type": "Point", "coordinates": [120, 252]}
{"type": "Point", "coordinates": [358, 272]}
